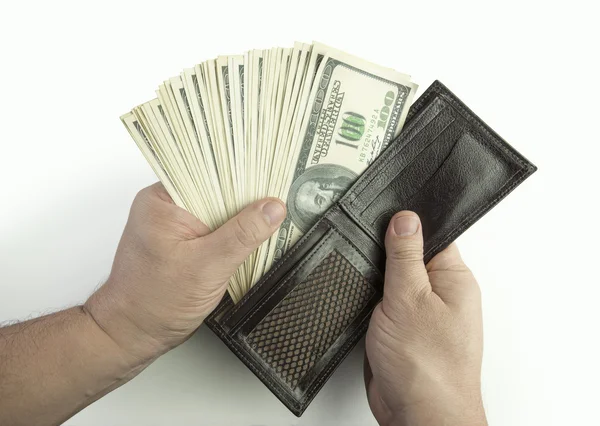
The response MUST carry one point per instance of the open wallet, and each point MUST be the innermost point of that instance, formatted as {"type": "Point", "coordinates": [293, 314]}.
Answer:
{"type": "Point", "coordinates": [298, 323]}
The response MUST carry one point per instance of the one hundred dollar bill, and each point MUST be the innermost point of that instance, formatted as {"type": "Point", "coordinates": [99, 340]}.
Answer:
{"type": "Point", "coordinates": [355, 109]}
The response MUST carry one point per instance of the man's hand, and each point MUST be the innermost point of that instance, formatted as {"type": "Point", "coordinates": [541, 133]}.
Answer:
{"type": "Point", "coordinates": [170, 271]}
{"type": "Point", "coordinates": [425, 342]}
{"type": "Point", "coordinates": [169, 274]}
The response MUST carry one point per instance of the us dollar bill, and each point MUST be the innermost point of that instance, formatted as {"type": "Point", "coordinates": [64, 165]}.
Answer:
{"type": "Point", "coordinates": [355, 109]}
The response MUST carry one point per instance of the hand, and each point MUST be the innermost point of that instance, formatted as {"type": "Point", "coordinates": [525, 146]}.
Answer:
{"type": "Point", "coordinates": [425, 341]}
{"type": "Point", "coordinates": [170, 271]}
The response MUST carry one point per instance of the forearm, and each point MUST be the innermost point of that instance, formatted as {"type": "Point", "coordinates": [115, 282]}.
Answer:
{"type": "Point", "coordinates": [54, 366]}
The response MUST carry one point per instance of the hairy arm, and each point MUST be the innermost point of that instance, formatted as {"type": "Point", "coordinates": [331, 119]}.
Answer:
{"type": "Point", "coordinates": [54, 366]}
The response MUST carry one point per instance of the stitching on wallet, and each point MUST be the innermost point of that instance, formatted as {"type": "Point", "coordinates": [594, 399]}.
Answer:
{"type": "Point", "coordinates": [218, 311]}
{"type": "Point", "coordinates": [431, 91]}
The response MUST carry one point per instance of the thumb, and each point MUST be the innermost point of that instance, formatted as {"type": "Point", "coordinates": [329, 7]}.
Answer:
{"type": "Point", "coordinates": [405, 275]}
{"type": "Point", "coordinates": [229, 245]}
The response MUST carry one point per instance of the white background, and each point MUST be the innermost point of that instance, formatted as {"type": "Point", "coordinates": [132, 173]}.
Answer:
{"type": "Point", "coordinates": [70, 171]}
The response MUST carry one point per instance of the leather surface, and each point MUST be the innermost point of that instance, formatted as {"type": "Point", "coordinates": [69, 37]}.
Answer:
{"type": "Point", "coordinates": [298, 323]}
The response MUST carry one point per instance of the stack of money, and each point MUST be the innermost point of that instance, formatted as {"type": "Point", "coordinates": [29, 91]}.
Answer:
{"type": "Point", "coordinates": [299, 123]}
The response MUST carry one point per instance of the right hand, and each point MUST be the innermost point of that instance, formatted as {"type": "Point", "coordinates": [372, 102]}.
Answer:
{"type": "Point", "coordinates": [425, 342]}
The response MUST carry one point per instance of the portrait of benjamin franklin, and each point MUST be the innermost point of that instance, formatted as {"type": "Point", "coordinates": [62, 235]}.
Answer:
{"type": "Point", "coordinates": [315, 190]}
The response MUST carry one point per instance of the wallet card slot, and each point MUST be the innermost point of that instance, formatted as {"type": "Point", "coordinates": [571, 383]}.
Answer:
{"type": "Point", "coordinates": [427, 162]}
{"type": "Point", "coordinates": [394, 155]}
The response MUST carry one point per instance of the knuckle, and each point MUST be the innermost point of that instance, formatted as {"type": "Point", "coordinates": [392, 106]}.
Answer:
{"type": "Point", "coordinates": [246, 233]}
{"type": "Point", "coordinates": [143, 194]}
{"type": "Point", "coordinates": [406, 253]}
{"type": "Point", "coordinates": [142, 201]}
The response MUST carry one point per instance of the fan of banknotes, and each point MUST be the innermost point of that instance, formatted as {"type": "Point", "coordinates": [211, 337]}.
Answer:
{"type": "Point", "coordinates": [299, 123]}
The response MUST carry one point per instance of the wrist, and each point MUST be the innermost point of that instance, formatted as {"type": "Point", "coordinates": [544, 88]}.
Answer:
{"type": "Point", "coordinates": [123, 366]}
{"type": "Point", "coordinates": [112, 315]}
{"type": "Point", "coordinates": [54, 366]}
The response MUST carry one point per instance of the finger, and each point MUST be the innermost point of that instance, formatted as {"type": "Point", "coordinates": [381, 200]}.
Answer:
{"type": "Point", "coordinates": [233, 242]}
{"type": "Point", "coordinates": [405, 276]}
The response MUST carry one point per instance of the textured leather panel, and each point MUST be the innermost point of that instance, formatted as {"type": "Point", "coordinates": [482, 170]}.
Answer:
{"type": "Point", "coordinates": [297, 324]}
{"type": "Point", "coordinates": [331, 297]}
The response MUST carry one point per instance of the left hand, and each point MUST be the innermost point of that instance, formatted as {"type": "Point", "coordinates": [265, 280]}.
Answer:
{"type": "Point", "coordinates": [170, 271]}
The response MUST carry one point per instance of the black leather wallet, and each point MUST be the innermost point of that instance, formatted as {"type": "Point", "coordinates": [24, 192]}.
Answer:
{"type": "Point", "coordinates": [298, 323]}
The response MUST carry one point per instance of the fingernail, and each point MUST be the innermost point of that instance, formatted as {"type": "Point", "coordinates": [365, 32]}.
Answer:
{"type": "Point", "coordinates": [405, 226]}
{"type": "Point", "coordinates": [274, 212]}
